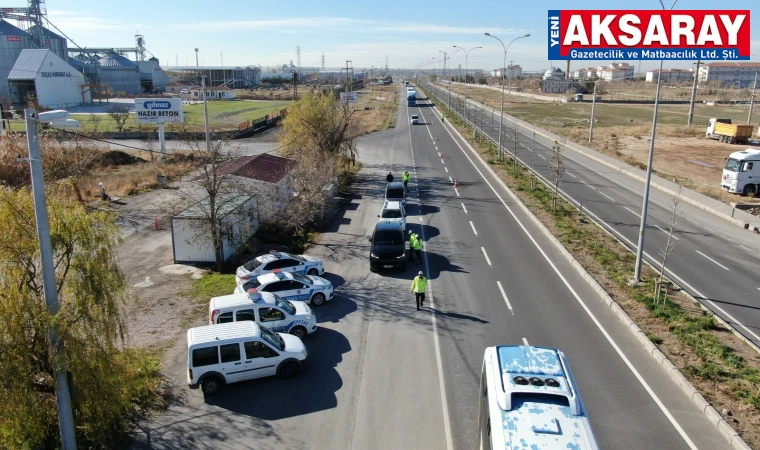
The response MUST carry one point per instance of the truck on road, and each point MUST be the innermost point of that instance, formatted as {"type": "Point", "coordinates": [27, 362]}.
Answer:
{"type": "Point", "coordinates": [411, 97]}
{"type": "Point", "coordinates": [741, 174]}
{"type": "Point", "coordinates": [728, 132]}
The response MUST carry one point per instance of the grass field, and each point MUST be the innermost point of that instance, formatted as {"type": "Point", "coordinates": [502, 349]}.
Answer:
{"type": "Point", "coordinates": [223, 115]}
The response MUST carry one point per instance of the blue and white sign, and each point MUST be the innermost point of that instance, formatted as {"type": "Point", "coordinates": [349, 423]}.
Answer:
{"type": "Point", "coordinates": [159, 110]}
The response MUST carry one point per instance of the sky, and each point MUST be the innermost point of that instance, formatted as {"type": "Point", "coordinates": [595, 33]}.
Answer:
{"type": "Point", "coordinates": [267, 33]}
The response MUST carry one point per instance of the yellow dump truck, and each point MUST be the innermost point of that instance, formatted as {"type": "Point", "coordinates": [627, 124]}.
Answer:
{"type": "Point", "coordinates": [728, 132]}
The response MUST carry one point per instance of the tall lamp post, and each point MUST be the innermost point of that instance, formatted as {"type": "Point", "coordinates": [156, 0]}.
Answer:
{"type": "Point", "coordinates": [504, 68]}
{"type": "Point", "coordinates": [466, 55]}
{"type": "Point", "coordinates": [645, 202]}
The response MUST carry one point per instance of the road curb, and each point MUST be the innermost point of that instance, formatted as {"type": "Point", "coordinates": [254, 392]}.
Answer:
{"type": "Point", "coordinates": [723, 427]}
{"type": "Point", "coordinates": [587, 153]}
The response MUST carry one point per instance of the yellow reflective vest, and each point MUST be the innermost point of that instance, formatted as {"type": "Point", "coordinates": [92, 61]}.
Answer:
{"type": "Point", "coordinates": [417, 243]}
{"type": "Point", "coordinates": [406, 177]}
{"type": "Point", "coordinates": [419, 284]}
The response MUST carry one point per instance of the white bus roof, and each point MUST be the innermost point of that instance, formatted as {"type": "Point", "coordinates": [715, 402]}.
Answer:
{"type": "Point", "coordinates": [540, 404]}
{"type": "Point", "coordinates": [750, 153]}
{"type": "Point", "coordinates": [222, 332]}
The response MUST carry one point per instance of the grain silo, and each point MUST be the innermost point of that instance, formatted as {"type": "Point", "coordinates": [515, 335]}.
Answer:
{"type": "Point", "coordinates": [12, 41]}
{"type": "Point", "coordinates": [120, 74]}
{"type": "Point", "coordinates": [56, 43]}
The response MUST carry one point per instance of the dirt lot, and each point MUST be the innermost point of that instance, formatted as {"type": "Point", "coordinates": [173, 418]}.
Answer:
{"type": "Point", "coordinates": [382, 102]}
{"type": "Point", "coordinates": [622, 131]}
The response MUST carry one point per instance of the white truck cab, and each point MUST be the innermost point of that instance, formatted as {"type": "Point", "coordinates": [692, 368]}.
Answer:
{"type": "Point", "coordinates": [266, 309]}
{"type": "Point", "coordinates": [741, 174]}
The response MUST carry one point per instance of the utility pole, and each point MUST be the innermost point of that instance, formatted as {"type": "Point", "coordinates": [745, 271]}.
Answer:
{"type": "Point", "coordinates": [752, 101]}
{"type": "Point", "coordinates": [593, 114]}
{"type": "Point", "coordinates": [196, 58]}
{"type": "Point", "coordinates": [57, 351]}
{"type": "Point", "coordinates": [694, 96]}
{"type": "Point", "coordinates": [205, 113]}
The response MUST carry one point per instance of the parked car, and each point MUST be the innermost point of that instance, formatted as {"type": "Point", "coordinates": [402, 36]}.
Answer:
{"type": "Point", "coordinates": [286, 262]}
{"type": "Point", "coordinates": [291, 286]}
{"type": "Point", "coordinates": [388, 249]}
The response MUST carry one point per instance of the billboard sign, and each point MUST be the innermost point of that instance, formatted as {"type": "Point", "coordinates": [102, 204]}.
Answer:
{"type": "Point", "coordinates": [353, 97]}
{"type": "Point", "coordinates": [159, 110]}
{"type": "Point", "coordinates": [649, 35]}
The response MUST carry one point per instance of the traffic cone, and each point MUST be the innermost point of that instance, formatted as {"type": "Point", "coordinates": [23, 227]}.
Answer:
{"type": "Point", "coordinates": [456, 183]}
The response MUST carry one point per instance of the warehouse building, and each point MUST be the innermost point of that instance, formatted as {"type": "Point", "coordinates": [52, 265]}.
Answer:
{"type": "Point", "coordinates": [12, 41]}
{"type": "Point", "coordinates": [48, 78]}
{"type": "Point", "coordinates": [120, 74]}
{"type": "Point", "coordinates": [152, 77]}
{"type": "Point", "coordinates": [234, 77]}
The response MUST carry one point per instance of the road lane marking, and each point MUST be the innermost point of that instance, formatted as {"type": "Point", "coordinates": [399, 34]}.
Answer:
{"type": "Point", "coordinates": [464, 208]}
{"type": "Point", "coordinates": [666, 232]}
{"type": "Point", "coordinates": [708, 229]}
{"type": "Point", "coordinates": [504, 294]}
{"type": "Point", "coordinates": [457, 191]}
{"type": "Point", "coordinates": [714, 261]}
{"type": "Point", "coordinates": [630, 211]}
{"type": "Point", "coordinates": [592, 187]}
{"type": "Point", "coordinates": [577, 297]}
{"type": "Point", "coordinates": [447, 169]}
{"type": "Point", "coordinates": [607, 196]}
{"type": "Point", "coordinates": [442, 161]}
{"type": "Point", "coordinates": [745, 248]}
{"type": "Point", "coordinates": [473, 228]}
{"type": "Point", "coordinates": [570, 174]}
{"type": "Point", "coordinates": [539, 155]}
{"type": "Point", "coordinates": [450, 179]}
{"type": "Point", "coordinates": [525, 341]}
{"type": "Point", "coordinates": [486, 255]}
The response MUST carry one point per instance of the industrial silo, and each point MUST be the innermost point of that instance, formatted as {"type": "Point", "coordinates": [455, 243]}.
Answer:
{"type": "Point", "coordinates": [12, 41]}
{"type": "Point", "coordinates": [120, 74]}
{"type": "Point", "coordinates": [54, 42]}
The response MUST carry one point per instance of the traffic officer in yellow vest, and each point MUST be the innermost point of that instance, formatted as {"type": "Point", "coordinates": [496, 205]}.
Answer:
{"type": "Point", "coordinates": [419, 284]}
{"type": "Point", "coordinates": [405, 177]}
{"type": "Point", "coordinates": [417, 248]}
{"type": "Point", "coordinates": [412, 237]}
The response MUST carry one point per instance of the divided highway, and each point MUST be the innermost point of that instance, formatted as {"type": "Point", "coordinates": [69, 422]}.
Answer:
{"type": "Point", "coordinates": [383, 375]}
{"type": "Point", "coordinates": [715, 261]}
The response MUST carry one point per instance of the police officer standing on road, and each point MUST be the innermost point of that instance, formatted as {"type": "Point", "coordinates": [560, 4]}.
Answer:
{"type": "Point", "coordinates": [412, 237]}
{"type": "Point", "coordinates": [389, 178]}
{"type": "Point", "coordinates": [417, 245]}
{"type": "Point", "coordinates": [405, 177]}
{"type": "Point", "coordinates": [418, 287]}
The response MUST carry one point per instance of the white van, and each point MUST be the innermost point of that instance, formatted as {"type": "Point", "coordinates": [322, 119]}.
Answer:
{"type": "Point", "coordinates": [393, 211]}
{"type": "Point", "coordinates": [741, 174]}
{"type": "Point", "coordinates": [239, 351]}
{"type": "Point", "coordinates": [266, 309]}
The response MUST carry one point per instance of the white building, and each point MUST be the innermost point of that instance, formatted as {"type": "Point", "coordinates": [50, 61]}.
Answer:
{"type": "Point", "coordinates": [44, 75]}
{"type": "Point", "coordinates": [212, 92]}
{"type": "Point", "coordinates": [513, 71]}
{"type": "Point", "coordinates": [555, 73]}
{"type": "Point", "coordinates": [615, 71]}
{"type": "Point", "coordinates": [585, 73]}
{"type": "Point", "coordinates": [670, 75]}
{"type": "Point", "coordinates": [257, 185]}
{"type": "Point", "coordinates": [740, 74]}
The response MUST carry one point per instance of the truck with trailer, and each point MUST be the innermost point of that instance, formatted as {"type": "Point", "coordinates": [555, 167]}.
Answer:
{"type": "Point", "coordinates": [728, 132]}
{"type": "Point", "coordinates": [411, 97]}
{"type": "Point", "coordinates": [741, 174]}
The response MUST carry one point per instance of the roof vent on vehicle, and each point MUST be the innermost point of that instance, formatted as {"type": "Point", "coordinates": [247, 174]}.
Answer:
{"type": "Point", "coordinates": [551, 382]}
{"type": "Point", "coordinates": [535, 381]}
{"type": "Point", "coordinates": [253, 294]}
{"type": "Point", "coordinates": [522, 381]}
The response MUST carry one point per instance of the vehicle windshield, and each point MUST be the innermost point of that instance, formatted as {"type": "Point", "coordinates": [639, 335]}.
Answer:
{"type": "Point", "coordinates": [388, 238]}
{"type": "Point", "coordinates": [298, 258]}
{"type": "Point", "coordinates": [253, 283]}
{"type": "Point", "coordinates": [301, 278]}
{"type": "Point", "coordinates": [394, 193]}
{"type": "Point", "coordinates": [252, 264]}
{"type": "Point", "coordinates": [733, 165]}
{"type": "Point", "coordinates": [285, 305]}
{"type": "Point", "coordinates": [271, 338]}
{"type": "Point", "coordinates": [391, 214]}
{"type": "Point", "coordinates": [415, 116]}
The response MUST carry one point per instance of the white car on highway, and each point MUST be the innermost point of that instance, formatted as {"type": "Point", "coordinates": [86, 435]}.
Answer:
{"type": "Point", "coordinates": [393, 211]}
{"type": "Point", "coordinates": [415, 119]}
{"type": "Point", "coordinates": [291, 286]}
{"type": "Point", "coordinates": [285, 262]}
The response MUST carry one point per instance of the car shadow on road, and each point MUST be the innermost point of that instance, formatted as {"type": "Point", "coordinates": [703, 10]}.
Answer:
{"type": "Point", "coordinates": [273, 398]}
{"type": "Point", "coordinates": [427, 232]}
{"type": "Point", "coordinates": [454, 315]}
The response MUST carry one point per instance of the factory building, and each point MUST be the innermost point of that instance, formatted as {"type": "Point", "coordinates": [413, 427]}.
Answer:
{"type": "Point", "coordinates": [42, 74]}
{"type": "Point", "coordinates": [152, 76]}
{"type": "Point", "coordinates": [12, 41]}
{"type": "Point", "coordinates": [233, 77]}
{"type": "Point", "coordinates": [53, 41]}
{"type": "Point", "coordinates": [119, 74]}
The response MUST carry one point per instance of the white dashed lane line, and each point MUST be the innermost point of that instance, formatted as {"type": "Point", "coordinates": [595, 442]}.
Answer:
{"type": "Point", "coordinates": [665, 231]}
{"type": "Point", "coordinates": [712, 260]}
{"type": "Point", "coordinates": [539, 155]}
{"type": "Point", "coordinates": [631, 211]}
{"type": "Point", "coordinates": [486, 255]}
{"type": "Point", "coordinates": [570, 174]}
{"type": "Point", "coordinates": [473, 228]}
{"type": "Point", "coordinates": [592, 187]}
{"type": "Point", "coordinates": [525, 341]}
{"type": "Point", "coordinates": [464, 208]}
{"type": "Point", "coordinates": [504, 294]}
{"type": "Point", "coordinates": [607, 196]}
{"type": "Point", "coordinates": [447, 169]}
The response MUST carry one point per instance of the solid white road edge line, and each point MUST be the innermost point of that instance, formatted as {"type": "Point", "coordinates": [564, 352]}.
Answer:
{"type": "Point", "coordinates": [714, 261]}
{"type": "Point", "coordinates": [504, 294]}
{"type": "Point", "coordinates": [444, 402]}
{"type": "Point", "coordinates": [486, 255]}
{"type": "Point", "coordinates": [614, 345]}
{"type": "Point", "coordinates": [473, 228]}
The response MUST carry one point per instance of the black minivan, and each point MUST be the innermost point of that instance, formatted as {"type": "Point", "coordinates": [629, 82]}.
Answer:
{"type": "Point", "coordinates": [395, 191]}
{"type": "Point", "coordinates": [388, 249]}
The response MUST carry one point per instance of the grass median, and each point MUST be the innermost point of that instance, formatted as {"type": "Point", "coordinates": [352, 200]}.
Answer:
{"type": "Point", "coordinates": [721, 366]}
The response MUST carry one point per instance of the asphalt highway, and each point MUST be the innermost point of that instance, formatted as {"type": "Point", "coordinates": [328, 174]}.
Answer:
{"type": "Point", "coordinates": [713, 260]}
{"type": "Point", "coordinates": [383, 375]}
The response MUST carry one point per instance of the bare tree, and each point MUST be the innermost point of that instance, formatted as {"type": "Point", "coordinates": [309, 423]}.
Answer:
{"type": "Point", "coordinates": [95, 119]}
{"type": "Point", "coordinates": [670, 244]}
{"type": "Point", "coordinates": [557, 168]}
{"type": "Point", "coordinates": [120, 114]}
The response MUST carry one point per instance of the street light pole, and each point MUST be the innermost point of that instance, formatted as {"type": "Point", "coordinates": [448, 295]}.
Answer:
{"type": "Point", "coordinates": [693, 95]}
{"type": "Point", "coordinates": [205, 113]}
{"type": "Point", "coordinates": [752, 100]}
{"type": "Point", "coordinates": [593, 113]}
{"type": "Point", "coordinates": [504, 67]}
{"type": "Point", "coordinates": [466, 55]}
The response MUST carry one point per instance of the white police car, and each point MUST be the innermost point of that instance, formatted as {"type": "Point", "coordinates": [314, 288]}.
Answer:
{"type": "Point", "coordinates": [291, 286]}
{"type": "Point", "coordinates": [266, 309]}
{"type": "Point", "coordinates": [286, 262]}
